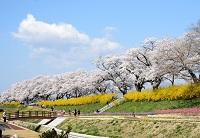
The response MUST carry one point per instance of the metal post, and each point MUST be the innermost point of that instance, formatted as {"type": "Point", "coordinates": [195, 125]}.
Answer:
{"type": "Point", "coordinates": [9, 115]}
{"type": "Point", "coordinates": [29, 113]}
{"type": "Point", "coordinates": [22, 114]}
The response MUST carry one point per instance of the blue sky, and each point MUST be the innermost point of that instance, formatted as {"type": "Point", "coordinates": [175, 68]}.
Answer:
{"type": "Point", "coordinates": [47, 37]}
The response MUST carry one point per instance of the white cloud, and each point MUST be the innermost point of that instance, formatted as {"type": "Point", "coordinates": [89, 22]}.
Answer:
{"type": "Point", "coordinates": [33, 31]}
{"type": "Point", "coordinates": [61, 44]}
{"type": "Point", "coordinates": [108, 30]}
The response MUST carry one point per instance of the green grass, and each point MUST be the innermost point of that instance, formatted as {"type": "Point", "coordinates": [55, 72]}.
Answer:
{"type": "Point", "coordinates": [132, 106]}
{"type": "Point", "coordinates": [16, 108]}
{"type": "Point", "coordinates": [133, 128]}
{"type": "Point", "coordinates": [11, 108]}
{"type": "Point", "coordinates": [90, 108]}
{"type": "Point", "coordinates": [21, 108]}
{"type": "Point", "coordinates": [32, 120]}
{"type": "Point", "coordinates": [152, 106]}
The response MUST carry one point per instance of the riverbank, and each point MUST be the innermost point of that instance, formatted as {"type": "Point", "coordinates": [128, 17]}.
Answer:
{"type": "Point", "coordinates": [132, 128]}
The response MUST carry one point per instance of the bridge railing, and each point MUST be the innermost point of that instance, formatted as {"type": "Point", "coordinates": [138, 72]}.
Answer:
{"type": "Point", "coordinates": [31, 114]}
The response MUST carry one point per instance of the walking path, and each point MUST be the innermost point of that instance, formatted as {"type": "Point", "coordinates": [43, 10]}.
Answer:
{"type": "Point", "coordinates": [12, 129]}
{"type": "Point", "coordinates": [56, 122]}
{"type": "Point", "coordinates": [44, 121]}
{"type": "Point", "coordinates": [78, 135]}
{"type": "Point", "coordinates": [174, 117]}
{"type": "Point", "coordinates": [20, 133]}
{"type": "Point", "coordinates": [15, 127]}
{"type": "Point", "coordinates": [110, 105]}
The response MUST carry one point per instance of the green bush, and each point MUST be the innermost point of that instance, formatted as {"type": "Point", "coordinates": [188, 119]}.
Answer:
{"type": "Point", "coordinates": [49, 134]}
{"type": "Point", "coordinates": [53, 134]}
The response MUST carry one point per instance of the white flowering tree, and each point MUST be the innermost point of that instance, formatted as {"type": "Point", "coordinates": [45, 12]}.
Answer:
{"type": "Point", "coordinates": [179, 58]}
{"type": "Point", "coordinates": [99, 82]}
{"type": "Point", "coordinates": [142, 65]}
{"type": "Point", "coordinates": [112, 66]}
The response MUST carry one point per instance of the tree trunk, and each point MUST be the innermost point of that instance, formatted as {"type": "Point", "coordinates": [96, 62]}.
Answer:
{"type": "Point", "coordinates": [194, 77]}
{"type": "Point", "coordinates": [155, 87]}
{"type": "Point", "coordinates": [46, 97]}
{"type": "Point", "coordinates": [59, 96]}
{"type": "Point", "coordinates": [156, 83]}
{"type": "Point", "coordinates": [138, 87]}
{"type": "Point", "coordinates": [173, 80]}
{"type": "Point", "coordinates": [123, 91]}
{"type": "Point", "coordinates": [27, 100]}
{"type": "Point", "coordinates": [67, 95]}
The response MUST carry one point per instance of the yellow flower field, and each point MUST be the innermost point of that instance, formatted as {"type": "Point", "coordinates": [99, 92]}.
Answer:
{"type": "Point", "coordinates": [13, 103]}
{"type": "Point", "coordinates": [180, 92]}
{"type": "Point", "coordinates": [101, 98]}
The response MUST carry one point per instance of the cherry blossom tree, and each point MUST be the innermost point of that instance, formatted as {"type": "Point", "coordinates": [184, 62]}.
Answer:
{"type": "Point", "coordinates": [97, 80]}
{"type": "Point", "coordinates": [179, 57]}
{"type": "Point", "coordinates": [141, 63]}
{"type": "Point", "coordinates": [113, 68]}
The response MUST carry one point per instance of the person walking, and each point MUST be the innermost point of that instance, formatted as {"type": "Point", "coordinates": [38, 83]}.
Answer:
{"type": "Point", "coordinates": [17, 114]}
{"type": "Point", "coordinates": [75, 112]}
{"type": "Point", "coordinates": [69, 112]}
{"type": "Point", "coordinates": [4, 116]}
{"type": "Point", "coordinates": [52, 108]}
{"type": "Point", "coordinates": [78, 112]}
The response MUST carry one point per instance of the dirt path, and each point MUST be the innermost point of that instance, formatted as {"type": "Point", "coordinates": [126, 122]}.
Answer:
{"type": "Point", "coordinates": [174, 118]}
{"type": "Point", "coordinates": [21, 133]}
{"type": "Point", "coordinates": [14, 127]}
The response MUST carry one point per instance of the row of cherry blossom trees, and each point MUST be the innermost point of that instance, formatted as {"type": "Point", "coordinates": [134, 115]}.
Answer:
{"type": "Point", "coordinates": [155, 61]}
{"type": "Point", "coordinates": [67, 85]}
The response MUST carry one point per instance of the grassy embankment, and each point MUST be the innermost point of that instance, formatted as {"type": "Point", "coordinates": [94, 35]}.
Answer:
{"type": "Point", "coordinates": [89, 108]}
{"type": "Point", "coordinates": [133, 128]}
{"type": "Point", "coordinates": [142, 106]}
{"type": "Point", "coordinates": [139, 106]}
{"type": "Point", "coordinates": [145, 106]}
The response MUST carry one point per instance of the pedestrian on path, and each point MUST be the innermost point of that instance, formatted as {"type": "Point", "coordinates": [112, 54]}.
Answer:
{"type": "Point", "coordinates": [17, 114]}
{"type": "Point", "coordinates": [52, 108]}
{"type": "Point", "coordinates": [75, 112]}
{"type": "Point", "coordinates": [63, 112]}
{"type": "Point", "coordinates": [133, 114]}
{"type": "Point", "coordinates": [4, 116]}
{"type": "Point", "coordinates": [79, 112]}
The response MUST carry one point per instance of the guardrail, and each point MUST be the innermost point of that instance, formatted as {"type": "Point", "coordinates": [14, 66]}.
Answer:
{"type": "Point", "coordinates": [30, 114]}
